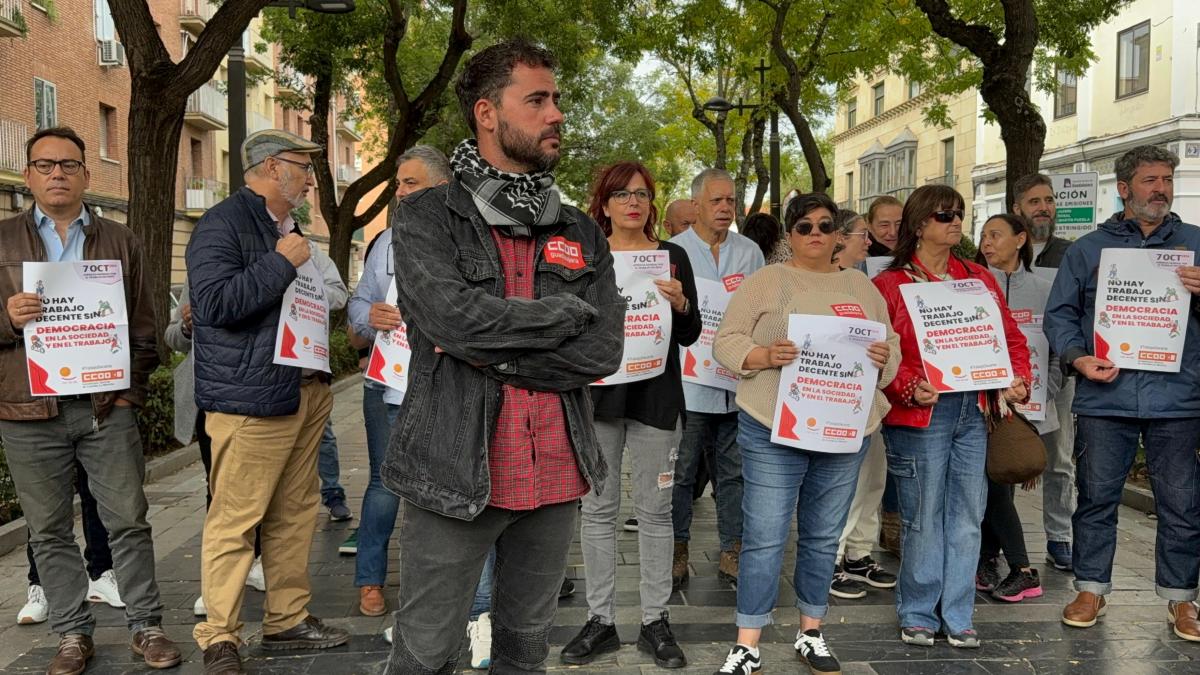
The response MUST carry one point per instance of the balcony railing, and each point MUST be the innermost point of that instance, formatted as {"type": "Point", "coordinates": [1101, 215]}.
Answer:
{"type": "Point", "coordinates": [201, 194]}
{"type": "Point", "coordinates": [12, 21]}
{"type": "Point", "coordinates": [257, 61]}
{"type": "Point", "coordinates": [194, 14]}
{"type": "Point", "coordinates": [257, 122]}
{"type": "Point", "coordinates": [348, 126]}
{"type": "Point", "coordinates": [288, 80]}
{"type": "Point", "coordinates": [346, 174]}
{"type": "Point", "coordinates": [944, 179]}
{"type": "Point", "coordinates": [207, 108]}
{"type": "Point", "coordinates": [12, 145]}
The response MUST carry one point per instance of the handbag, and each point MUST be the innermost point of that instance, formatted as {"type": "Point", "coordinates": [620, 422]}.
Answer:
{"type": "Point", "coordinates": [1015, 452]}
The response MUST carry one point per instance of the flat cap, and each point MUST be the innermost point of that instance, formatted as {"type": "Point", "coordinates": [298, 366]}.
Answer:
{"type": "Point", "coordinates": [260, 145]}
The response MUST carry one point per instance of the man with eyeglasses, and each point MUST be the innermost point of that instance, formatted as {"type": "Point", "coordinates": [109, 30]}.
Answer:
{"type": "Point", "coordinates": [710, 426]}
{"type": "Point", "coordinates": [44, 436]}
{"type": "Point", "coordinates": [265, 419]}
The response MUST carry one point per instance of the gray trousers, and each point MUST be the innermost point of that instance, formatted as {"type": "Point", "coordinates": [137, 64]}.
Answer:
{"type": "Point", "coordinates": [440, 562]}
{"type": "Point", "coordinates": [652, 455]}
{"type": "Point", "coordinates": [41, 456]}
{"type": "Point", "coordinates": [1058, 482]}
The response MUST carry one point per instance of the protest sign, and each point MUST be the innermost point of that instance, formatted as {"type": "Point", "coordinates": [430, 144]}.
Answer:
{"type": "Point", "coordinates": [1142, 308]}
{"type": "Point", "coordinates": [1039, 363]}
{"type": "Point", "coordinates": [960, 334]}
{"type": "Point", "coordinates": [699, 365]}
{"type": "Point", "coordinates": [80, 343]}
{"type": "Point", "coordinates": [302, 339]}
{"type": "Point", "coordinates": [825, 395]}
{"type": "Point", "coordinates": [388, 363]}
{"type": "Point", "coordinates": [647, 315]}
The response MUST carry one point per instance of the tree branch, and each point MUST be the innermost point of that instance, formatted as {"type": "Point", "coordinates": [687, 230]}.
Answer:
{"type": "Point", "coordinates": [457, 45]}
{"type": "Point", "coordinates": [221, 32]}
{"type": "Point", "coordinates": [393, 35]}
{"type": "Point", "coordinates": [979, 40]}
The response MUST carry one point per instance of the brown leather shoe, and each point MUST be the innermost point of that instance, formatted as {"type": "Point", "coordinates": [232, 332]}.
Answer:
{"type": "Point", "coordinates": [1185, 619]}
{"type": "Point", "coordinates": [727, 570]}
{"type": "Point", "coordinates": [74, 650]}
{"type": "Point", "coordinates": [221, 658]}
{"type": "Point", "coordinates": [371, 601]}
{"type": "Point", "coordinates": [679, 566]}
{"type": "Point", "coordinates": [1084, 610]}
{"type": "Point", "coordinates": [153, 645]}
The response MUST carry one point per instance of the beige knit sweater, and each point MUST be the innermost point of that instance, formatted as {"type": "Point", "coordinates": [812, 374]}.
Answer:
{"type": "Point", "coordinates": [758, 315]}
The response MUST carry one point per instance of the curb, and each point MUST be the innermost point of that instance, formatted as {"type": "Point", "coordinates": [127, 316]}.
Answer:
{"type": "Point", "coordinates": [1137, 498]}
{"type": "Point", "coordinates": [12, 535]}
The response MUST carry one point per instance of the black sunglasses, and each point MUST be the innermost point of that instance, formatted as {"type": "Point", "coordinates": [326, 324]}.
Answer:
{"type": "Point", "coordinates": [805, 228]}
{"type": "Point", "coordinates": [948, 216]}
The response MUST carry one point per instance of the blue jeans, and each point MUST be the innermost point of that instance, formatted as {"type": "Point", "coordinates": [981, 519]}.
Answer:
{"type": "Point", "coordinates": [817, 487]}
{"type": "Point", "coordinates": [1104, 450]}
{"type": "Point", "coordinates": [483, 592]}
{"type": "Point", "coordinates": [379, 506]}
{"type": "Point", "coordinates": [328, 469]}
{"type": "Point", "coordinates": [942, 486]}
{"type": "Point", "coordinates": [714, 436]}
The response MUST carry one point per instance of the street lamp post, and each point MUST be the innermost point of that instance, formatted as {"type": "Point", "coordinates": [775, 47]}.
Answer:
{"type": "Point", "coordinates": [237, 82]}
{"type": "Point", "coordinates": [720, 105]}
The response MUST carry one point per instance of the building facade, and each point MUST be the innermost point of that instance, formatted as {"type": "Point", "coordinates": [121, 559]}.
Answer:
{"type": "Point", "coordinates": [65, 66]}
{"type": "Point", "coordinates": [1142, 89]}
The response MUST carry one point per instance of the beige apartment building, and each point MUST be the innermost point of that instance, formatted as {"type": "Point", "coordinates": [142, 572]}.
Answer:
{"type": "Point", "coordinates": [64, 65]}
{"type": "Point", "coordinates": [1142, 88]}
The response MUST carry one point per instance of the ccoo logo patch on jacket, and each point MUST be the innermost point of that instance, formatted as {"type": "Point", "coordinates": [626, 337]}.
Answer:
{"type": "Point", "coordinates": [560, 251]}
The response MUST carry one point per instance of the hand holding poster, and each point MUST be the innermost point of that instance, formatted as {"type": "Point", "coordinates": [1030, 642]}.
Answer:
{"type": "Point", "coordinates": [960, 334]}
{"type": "Point", "coordinates": [647, 315]}
{"type": "Point", "coordinates": [302, 339]}
{"type": "Point", "coordinates": [825, 395]}
{"type": "Point", "coordinates": [388, 363]}
{"type": "Point", "coordinates": [1142, 308]}
{"type": "Point", "coordinates": [80, 343]}
{"type": "Point", "coordinates": [1039, 363]}
{"type": "Point", "coordinates": [699, 365]}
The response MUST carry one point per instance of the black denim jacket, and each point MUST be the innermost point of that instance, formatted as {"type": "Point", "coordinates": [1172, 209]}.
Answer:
{"type": "Point", "coordinates": [451, 294]}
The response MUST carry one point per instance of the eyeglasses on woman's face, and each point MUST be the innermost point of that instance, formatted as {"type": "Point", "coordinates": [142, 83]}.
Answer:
{"type": "Point", "coordinates": [624, 196]}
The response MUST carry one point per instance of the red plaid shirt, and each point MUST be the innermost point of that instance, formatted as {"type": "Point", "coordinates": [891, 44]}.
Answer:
{"type": "Point", "coordinates": [530, 459]}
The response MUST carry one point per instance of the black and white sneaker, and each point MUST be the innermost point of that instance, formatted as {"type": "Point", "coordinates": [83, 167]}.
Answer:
{"type": "Point", "coordinates": [869, 572]}
{"type": "Point", "coordinates": [741, 661]}
{"type": "Point", "coordinates": [811, 648]}
{"type": "Point", "coordinates": [842, 586]}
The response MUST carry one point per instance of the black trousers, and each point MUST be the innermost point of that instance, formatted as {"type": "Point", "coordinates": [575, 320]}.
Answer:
{"type": "Point", "coordinates": [1001, 527]}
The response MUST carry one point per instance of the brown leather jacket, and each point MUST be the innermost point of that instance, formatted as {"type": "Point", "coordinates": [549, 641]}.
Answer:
{"type": "Point", "coordinates": [103, 240]}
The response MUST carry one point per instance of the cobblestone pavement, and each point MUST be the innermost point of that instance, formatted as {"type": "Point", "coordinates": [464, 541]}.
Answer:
{"type": "Point", "coordinates": [1132, 639]}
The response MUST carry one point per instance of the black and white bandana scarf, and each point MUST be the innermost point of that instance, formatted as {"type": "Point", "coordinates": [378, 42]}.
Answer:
{"type": "Point", "coordinates": [513, 202]}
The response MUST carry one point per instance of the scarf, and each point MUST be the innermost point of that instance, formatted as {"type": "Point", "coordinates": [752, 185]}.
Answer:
{"type": "Point", "coordinates": [514, 203]}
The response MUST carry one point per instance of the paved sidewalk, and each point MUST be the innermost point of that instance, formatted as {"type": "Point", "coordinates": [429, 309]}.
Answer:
{"type": "Point", "coordinates": [1132, 639]}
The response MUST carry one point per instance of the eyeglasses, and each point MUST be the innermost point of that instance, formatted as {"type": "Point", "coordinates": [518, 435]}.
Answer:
{"type": "Point", "coordinates": [805, 228]}
{"type": "Point", "coordinates": [623, 196]}
{"type": "Point", "coordinates": [308, 167]}
{"type": "Point", "coordinates": [948, 216]}
{"type": "Point", "coordinates": [862, 234]}
{"type": "Point", "coordinates": [46, 166]}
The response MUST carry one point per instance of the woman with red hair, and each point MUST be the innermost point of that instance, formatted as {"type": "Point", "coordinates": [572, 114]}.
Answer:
{"type": "Point", "coordinates": [643, 416]}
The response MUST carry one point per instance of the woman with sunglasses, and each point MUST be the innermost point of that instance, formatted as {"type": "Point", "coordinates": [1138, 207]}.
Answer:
{"type": "Point", "coordinates": [1007, 250]}
{"type": "Point", "coordinates": [782, 481]}
{"type": "Point", "coordinates": [644, 417]}
{"type": "Point", "coordinates": [937, 442]}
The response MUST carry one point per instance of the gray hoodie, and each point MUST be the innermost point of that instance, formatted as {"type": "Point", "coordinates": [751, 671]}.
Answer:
{"type": "Point", "coordinates": [1025, 290]}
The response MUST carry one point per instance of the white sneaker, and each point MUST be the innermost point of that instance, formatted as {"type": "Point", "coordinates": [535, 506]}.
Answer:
{"type": "Point", "coordinates": [35, 609]}
{"type": "Point", "coordinates": [199, 609]}
{"type": "Point", "coordinates": [255, 579]}
{"type": "Point", "coordinates": [387, 635]}
{"type": "Point", "coordinates": [105, 590]}
{"type": "Point", "coordinates": [741, 661]}
{"type": "Point", "coordinates": [480, 633]}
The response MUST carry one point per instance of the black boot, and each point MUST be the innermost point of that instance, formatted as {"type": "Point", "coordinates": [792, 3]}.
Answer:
{"type": "Point", "coordinates": [594, 639]}
{"type": "Point", "coordinates": [657, 640]}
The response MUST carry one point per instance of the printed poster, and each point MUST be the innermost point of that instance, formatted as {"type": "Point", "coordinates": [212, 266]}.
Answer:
{"type": "Point", "coordinates": [388, 363]}
{"type": "Point", "coordinates": [960, 334]}
{"type": "Point", "coordinates": [647, 315]}
{"type": "Point", "coordinates": [1142, 308]}
{"type": "Point", "coordinates": [699, 365]}
{"type": "Point", "coordinates": [825, 395]}
{"type": "Point", "coordinates": [1039, 363]}
{"type": "Point", "coordinates": [80, 343]}
{"type": "Point", "coordinates": [302, 339]}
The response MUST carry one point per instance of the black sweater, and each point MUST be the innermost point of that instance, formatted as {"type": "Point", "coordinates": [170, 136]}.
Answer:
{"type": "Point", "coordinates": [658, 401]}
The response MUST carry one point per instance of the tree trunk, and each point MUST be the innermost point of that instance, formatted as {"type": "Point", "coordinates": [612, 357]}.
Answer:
{"type": "Point", "coordinates": [808, 143]}
{"type": "Point", "coordinates": [1021, 128]}
{"type": "Point", "coordinates": [156, 123]}
{"type": "Point", "coordinates": [760, 167]}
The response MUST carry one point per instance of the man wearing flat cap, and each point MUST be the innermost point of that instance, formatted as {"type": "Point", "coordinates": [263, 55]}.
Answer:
{"type": "Point", "coordinates": [265, 419]}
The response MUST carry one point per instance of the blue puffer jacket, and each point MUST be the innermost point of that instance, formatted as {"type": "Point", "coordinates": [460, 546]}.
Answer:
{"type": "Point", "coordinates": [1070, 312]}
{"type": "Point", "coordinates": [237, 285]}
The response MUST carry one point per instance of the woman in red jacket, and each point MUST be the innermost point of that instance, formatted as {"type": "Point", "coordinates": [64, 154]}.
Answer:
{"type": "Point", "coordinates": [937, 441]}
